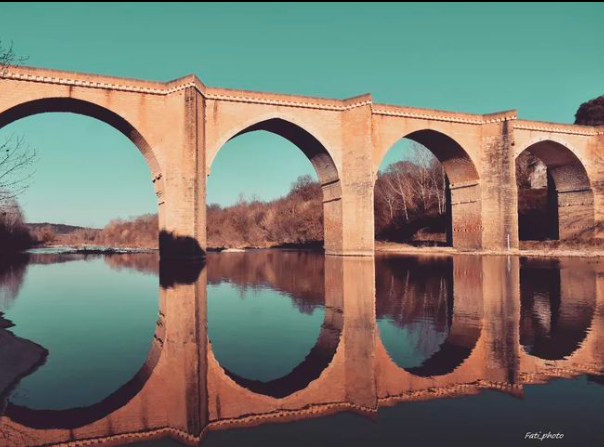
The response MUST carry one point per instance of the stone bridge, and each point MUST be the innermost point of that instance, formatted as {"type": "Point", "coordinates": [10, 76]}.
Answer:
{"type": "Point", "coordinates": [183, 392]}
{"type": "Point", "coordinates": [179, 126]}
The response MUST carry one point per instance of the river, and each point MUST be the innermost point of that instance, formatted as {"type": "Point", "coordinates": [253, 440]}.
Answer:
{"type": "Point", "coordinates": [273, 347]}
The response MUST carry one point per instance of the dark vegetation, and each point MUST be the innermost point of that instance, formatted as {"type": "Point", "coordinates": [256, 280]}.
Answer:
{"type": "Point", "coordinates": [14, 234]}
{"type": "Point", "coordinates": [295, 219]}
{"type": "Point", "coordinates": [591, 113]}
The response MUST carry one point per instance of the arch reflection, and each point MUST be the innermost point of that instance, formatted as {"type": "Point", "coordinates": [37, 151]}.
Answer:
{"type": "Point", "coordinates": [183, 393]}
{"type": "Point", "coordinates": [72, 418]}
{"type": "Point", "coordinates": [426, 328]}
{"type": "Point", "coordinates": [270, 276]}
{"type": "Point", "coordinates": [558, 302]}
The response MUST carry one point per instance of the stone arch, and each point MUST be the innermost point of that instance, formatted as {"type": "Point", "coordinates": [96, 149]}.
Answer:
{"type": "Point", "coordinates": [570, 195]}
{"type": "Point", "coordinates": [463, 186]}
{"type": "Point", "coordinates": [319, 156]}
{"type": "Point", "coordinates": [81, 107]}
{"type": "Point", "coordinates": [150, 379]}
{"type": "Point", "coordinates": [113, 119]}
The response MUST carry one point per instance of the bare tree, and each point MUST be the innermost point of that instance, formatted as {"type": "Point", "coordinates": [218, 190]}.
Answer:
{"type": "Point", "coordinates": [8, 58]}
{"type": "Point", "coordinates": [413, 187]}
{"type": "Point", "coordinates": [16, 157]}
{"type": "Point", "coordinates": [16, 168]}
{"type": "Point", "coordinates": [428, 179]}
{"type": "Point", "coordinates": [399, 186]}
{"type": "Point", "coordinates": [410, 193]}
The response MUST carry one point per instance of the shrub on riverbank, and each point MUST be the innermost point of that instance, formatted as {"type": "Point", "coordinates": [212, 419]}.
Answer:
{"type": "Point", "coordinates": [14, 234]}
{"type": "Point", "coordinates": [295, 219]}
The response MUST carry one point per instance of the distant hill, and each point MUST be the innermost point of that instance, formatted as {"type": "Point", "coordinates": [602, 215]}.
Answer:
{"type": "Point", "coordinates": [140, 232]}
{"type": "Point", "coordinates": [58, 228]}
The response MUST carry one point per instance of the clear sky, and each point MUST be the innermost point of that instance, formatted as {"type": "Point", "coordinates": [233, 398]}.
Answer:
{"type": "Point", "coordinates": [543, 59]}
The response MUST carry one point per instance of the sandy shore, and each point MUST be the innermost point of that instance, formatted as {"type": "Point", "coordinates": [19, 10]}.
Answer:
{"type": "Point", "coordinates": [389, 247]}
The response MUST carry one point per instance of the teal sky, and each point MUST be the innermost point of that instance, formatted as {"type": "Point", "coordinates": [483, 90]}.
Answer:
{"type": "Point", "coordinates": [543, 59]}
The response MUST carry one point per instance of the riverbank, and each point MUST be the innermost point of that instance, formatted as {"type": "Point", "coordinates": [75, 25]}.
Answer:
{"type": "Point", "coordinates": [87, 250]}
{"type": "Point", "coordinates": [20, 358]}
{"type": "Point", "coordinates": [543, 251]}
{"type": "Point", "coordinates": [531, 250]}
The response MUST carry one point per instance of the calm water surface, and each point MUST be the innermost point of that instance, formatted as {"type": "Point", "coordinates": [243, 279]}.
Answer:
{"type": "Point", "coordinates": [276, 347]}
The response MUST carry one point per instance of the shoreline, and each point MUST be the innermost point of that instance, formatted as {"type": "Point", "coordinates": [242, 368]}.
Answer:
{"type": "Point", "coordinates": [85, 250]}
{"type": "Point", "coordinates": [380, 248]}
{"type": "Point", "coordinates": [450, 251]}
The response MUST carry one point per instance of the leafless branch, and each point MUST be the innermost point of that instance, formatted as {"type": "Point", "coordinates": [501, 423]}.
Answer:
{"type": "Point", "coordinates": [8, 58]}
{"type": "Point", "coordinates": [16, 157]}
{"type": "Point", "coordinates": [16, 168]}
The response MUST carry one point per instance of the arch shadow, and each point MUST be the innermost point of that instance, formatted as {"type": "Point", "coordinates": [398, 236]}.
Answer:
{"type": "Point", "coordinates": [451, 354]}
{"type": "Point", "coordinates": [311, 368]}
{"type": "Point", "coordinates": [455, 160]}
{"type": "Point", "coordinates": [314, 150]}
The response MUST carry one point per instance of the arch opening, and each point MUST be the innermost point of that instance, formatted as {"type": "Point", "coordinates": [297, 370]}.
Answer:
{"type": "Point", "coordinates": [305, 141]}
{"type": "Point", "coordinates": [79, 124]}
{"type": "Point", "coordinates": [314, 211]}
{"type": "Point", "coordinates": [428, 192]}
{"type": "Point", "coordinates": [80, 107]}
{"type": "Point", "coordinates": [555, 197]}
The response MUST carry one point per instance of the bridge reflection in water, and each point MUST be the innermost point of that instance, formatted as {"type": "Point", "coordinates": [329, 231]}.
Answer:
{"type": "Point", "coordinates": [394, 329]}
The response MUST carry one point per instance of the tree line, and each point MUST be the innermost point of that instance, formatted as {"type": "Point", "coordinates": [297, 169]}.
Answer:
{"type": "Point", "coordinates": [409, 196]}
{"type": "Point", "coordinates": [295, 219]}
{"type": "Point", "coordinates": [410, 201]}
